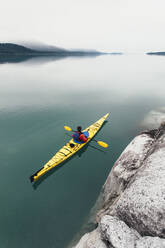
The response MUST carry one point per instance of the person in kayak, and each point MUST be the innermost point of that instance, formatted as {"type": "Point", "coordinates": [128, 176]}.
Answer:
{"type": "Point", "coordinates": [79, 136]}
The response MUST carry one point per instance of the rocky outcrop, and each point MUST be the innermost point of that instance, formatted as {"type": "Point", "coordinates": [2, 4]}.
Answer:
{"type": "Point", "coordinates": [142, 205]}
{"type": "Point", "coordinates": [133, 209]}
{"type": "Point", "coordinates": [123, 171]}
{"type": "Point", "coordinates": [91, 240]}
{"type": "Point", "coordinates": [117, 234]}
{"type": "Point", "coordinates": [114, 233]}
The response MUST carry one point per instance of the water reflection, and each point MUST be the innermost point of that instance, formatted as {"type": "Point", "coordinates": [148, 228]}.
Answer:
{"type": "Point", "coordinates": [40, 59]}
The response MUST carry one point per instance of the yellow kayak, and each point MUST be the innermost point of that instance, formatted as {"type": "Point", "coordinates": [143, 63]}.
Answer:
{"type": "Point", "coordinates": [68, 150]}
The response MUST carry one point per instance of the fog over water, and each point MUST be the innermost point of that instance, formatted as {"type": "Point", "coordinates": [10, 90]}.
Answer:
{"type": "Point", "coordinates": [44, 80]}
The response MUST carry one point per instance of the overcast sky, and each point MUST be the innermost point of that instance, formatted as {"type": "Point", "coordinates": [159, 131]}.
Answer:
{"type": "Point", "coordinates": [110, 25]}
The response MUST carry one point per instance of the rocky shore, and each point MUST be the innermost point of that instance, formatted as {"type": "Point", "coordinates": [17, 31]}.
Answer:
{"type": "Point", "coordinates": [133, 197]}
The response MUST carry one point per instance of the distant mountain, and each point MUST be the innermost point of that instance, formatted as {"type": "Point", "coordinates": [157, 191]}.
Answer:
{"type": "Point", "coordinates": [15, 49]}
{"type": "Point", "coordinates": [9, 48]}
{"type": "Point", "coordinates": [156, 53]}
{"type": "Point", "coordinates": [15, 53]}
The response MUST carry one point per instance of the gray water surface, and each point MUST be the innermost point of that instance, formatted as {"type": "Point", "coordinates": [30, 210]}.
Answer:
{"type": "Point", "coordinates": [39, 97]}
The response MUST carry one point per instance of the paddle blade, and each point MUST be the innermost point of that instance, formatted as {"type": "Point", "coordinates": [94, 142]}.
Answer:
{"type": "Point", "coordinates": [67, 128]}
{"type": "Point", "coordinates": [103, 144]}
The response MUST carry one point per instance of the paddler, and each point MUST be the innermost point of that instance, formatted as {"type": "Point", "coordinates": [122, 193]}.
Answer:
{"type": "Point", "coordinates": [79, 136]}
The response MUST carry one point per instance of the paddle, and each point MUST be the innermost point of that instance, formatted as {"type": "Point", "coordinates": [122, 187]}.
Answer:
{"type": "Point", "coordinates": [101, 143]}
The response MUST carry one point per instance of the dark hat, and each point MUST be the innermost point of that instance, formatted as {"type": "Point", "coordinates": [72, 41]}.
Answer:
{"type": "Point", "coordinates": [79, 128]}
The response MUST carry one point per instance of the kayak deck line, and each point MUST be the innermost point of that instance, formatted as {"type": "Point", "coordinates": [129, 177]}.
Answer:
{"type": "Point", "coordinates": [71, 147]}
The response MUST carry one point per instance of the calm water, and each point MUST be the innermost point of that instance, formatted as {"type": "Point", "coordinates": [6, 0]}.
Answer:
{"type": "Point", "coordinates": [39, 97]}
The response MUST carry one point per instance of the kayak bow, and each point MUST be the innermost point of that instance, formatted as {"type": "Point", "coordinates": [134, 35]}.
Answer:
{"type": "Point", "coordinates": [68, 150]}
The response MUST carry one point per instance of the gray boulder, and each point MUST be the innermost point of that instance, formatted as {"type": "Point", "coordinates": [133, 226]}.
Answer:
{"type": "Point", "coordinates": [142, 204]}
{"type": "Point", "coordinates": [123, 171]}
{"type": "Point", "coordinates": [150, 242]}
{"type": "Point", "coordinates": [91, 240]}
{"type": "Point", "coordinates": [116, 233]}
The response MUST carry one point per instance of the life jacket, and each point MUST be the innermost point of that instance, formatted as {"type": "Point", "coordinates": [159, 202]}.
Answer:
{"type": "Point", "coordinates": [79, 136]}
{"type": "Point", "coordinates": [83, 138]}
{"type": "Point", "coordinates": [76, 136]}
